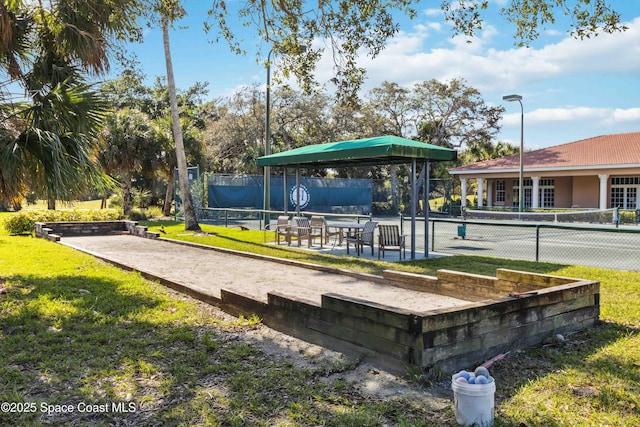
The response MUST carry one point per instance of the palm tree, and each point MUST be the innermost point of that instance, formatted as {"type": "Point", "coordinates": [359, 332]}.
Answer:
{"type": "Point", "coordinates": [47, 50]}
{"type": "Point", "coordinates": [162, 128]}
{"type": "Point", "coordinates": [166, 161]}
{"type": "Point", "coordinates": [124, 138]}
{"type": "Point", "coordinates": [487, 150]}
{"type": "Point", "coordinates": [52, 151]}
{"type": "Point", "coordinates": [171, 12]}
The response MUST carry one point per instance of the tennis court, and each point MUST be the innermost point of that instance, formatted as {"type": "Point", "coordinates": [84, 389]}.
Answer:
{"type": "Point", "coordinates": [599, 246]}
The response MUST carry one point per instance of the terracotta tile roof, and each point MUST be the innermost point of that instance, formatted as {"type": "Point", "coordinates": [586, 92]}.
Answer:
{"type": "Point", "coordinates": [604, 150]}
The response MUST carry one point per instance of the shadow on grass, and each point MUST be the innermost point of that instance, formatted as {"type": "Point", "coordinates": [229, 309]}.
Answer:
{"type": "Point", "coordinates": [116, 343]}
{"type": "Point", "coordinates": [77, 339]}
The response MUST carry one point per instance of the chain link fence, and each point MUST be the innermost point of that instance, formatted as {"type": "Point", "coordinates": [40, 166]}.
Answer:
{"type": "Point", "coordinates": [605, 246]}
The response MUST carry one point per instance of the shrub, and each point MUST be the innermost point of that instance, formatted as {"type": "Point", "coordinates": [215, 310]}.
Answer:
{"type": "Point", "coordinates": [102, 215]}
{"type": "Point", "coordinates": [19, 223]}
{"type": "Point", "coordinates": [141, 197]}
{"type": "Point", "coordinates": [153, 212]}
{"type": "Point", "coordinates": [23, 222]}
{"type": "Point", "coordinates": [137, 215]}
{"type": "Point", "coordinates": [116, 201]}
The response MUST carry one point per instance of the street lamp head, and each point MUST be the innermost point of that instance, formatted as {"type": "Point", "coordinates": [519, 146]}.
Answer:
{"type": "Point", "coordinates": [511, 98]}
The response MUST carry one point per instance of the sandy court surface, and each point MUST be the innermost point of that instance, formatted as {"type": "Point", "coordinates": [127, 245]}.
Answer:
{"type": "Point", "coordinates": [213, 270]}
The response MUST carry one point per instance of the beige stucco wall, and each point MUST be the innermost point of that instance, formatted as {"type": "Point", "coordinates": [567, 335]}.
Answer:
{"type": "Point", "coordinates": [563, 197]}
{"type": "Point", "coordinates": [586, 191]}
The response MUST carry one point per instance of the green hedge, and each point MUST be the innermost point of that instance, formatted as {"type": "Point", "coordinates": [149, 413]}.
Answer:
{"type": "Point", "coordinates": [23, 222]}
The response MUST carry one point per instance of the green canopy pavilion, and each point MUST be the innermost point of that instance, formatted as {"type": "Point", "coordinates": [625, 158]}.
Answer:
{"type": "Point", "coordinates": [366, 152]}
{"type": "Point", "coordinates": [359, 152]}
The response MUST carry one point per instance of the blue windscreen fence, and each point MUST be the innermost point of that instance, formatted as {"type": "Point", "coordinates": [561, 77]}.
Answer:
{"type": "Point", "coordinates": [335, 195]}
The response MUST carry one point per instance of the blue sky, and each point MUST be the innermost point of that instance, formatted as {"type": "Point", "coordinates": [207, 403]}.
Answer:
{"type": "Point", "coordinates": [572, 89]}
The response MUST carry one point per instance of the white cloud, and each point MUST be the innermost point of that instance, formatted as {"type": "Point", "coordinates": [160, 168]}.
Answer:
{"type": "Point", "coordinates": [572, 88]}
{"type": "Point", "coordinates": [436, 26]}
{"type": "Point", "coordinates": [628, 115]}
{"type": "Point", "coordinates": [608, 53]}
{"type": "Point", "coordinates": [572, 115]}
{"type": "Point", "coordinates": [551, 126]}
{"type": "Point", "coordinates": [487, 67]}
{"type": "Point", "coordinates": [553, 33]}
{"type": "Point", "coordinates": [619, 52]}
{"type": "Point", "coordinates": [546, 115]}
{"type": "Point", "coordinates": [433, 12]}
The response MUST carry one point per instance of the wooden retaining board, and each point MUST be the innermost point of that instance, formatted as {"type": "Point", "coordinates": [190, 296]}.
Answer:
{"type": "Point", "coordinates": [358, 323]}
{"type": "Point", "coordinates": [443, 339]}
{"type": "Point", "coordinates": [508, 335]}
{"type": "Point", "coordinates": [463, 335]}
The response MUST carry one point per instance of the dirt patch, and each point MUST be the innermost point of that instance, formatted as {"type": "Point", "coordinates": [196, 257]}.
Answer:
{"type": "Point", "coordinates": [362, 376]}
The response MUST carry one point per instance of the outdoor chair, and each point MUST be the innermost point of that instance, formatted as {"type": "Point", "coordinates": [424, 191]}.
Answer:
{"type": "Point", "coordinates": [319, 224]}
{"type": "Point", "coordinates": [328, 232]}
{"type": "Point", "coordinates": [390, 239]}
{"type": "Point", "coordinates": [363, 237]}
{"type": "Point", "coordinates": [303, 230]}
{"type": "Point", "coordinates": [318, 228]}
{"type": "Point", "coordinates": [283, 228]}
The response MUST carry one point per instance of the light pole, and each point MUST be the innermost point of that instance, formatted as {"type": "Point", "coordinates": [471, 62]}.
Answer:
{"type": "Point", "coordinates": [511, 98]}
{"type": "Point", "coordinates": [267, 144]}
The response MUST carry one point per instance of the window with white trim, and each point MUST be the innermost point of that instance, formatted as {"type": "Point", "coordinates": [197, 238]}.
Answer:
{"type": "Point", "coordinates": [501, 186]}
{"type": "Point", "coordinates": [624, 192]}
{"type": "Point", "coordinates": [527, 184]}
{"type": "Point", "coordinates": [546, 193]}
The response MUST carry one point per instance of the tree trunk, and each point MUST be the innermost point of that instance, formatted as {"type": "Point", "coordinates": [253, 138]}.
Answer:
{"type": "Point", "coordinates": [168, 197]}
{"type": "Point", "coordinates": [51, 203]}
{"type": "Point", "coordinates": [395, 207]}
{"type": "Point", "coordinates": [420, 187]}
{"type": "Point", "coordinates": [190, 219]}
{"type": "Point", "coordinates": [126, 194]}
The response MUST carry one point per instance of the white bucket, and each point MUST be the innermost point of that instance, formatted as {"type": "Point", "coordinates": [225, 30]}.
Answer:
{"type": "Point", "coordinates": [474, 403]}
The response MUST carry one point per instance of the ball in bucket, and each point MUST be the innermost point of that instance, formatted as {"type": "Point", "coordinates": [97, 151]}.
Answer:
{"type": "Point", "coordinates": [473, 397]}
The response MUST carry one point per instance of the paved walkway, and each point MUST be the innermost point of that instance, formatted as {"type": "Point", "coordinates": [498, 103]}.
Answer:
{"type": "Point", "coordinates": [212, 270]}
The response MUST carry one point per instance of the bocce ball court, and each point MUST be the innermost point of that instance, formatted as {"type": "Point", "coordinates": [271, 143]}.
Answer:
{"type": "Point", "coordinates": [351, 312]}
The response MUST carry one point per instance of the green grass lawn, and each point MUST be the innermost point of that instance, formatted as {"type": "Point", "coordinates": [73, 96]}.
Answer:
{"type": "Point", "coordinates": [74, 331]}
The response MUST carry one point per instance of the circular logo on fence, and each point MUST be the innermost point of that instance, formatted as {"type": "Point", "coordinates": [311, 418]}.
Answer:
{"type": "Point", "coordinates": [304, 196]}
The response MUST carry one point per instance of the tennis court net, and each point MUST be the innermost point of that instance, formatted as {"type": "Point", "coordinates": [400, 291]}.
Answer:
{"type": "Point", "coordinates": [593, 216]}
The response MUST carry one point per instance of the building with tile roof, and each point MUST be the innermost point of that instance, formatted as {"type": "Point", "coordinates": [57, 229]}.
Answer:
{"type": "Point", "coordinates": [601, 172]}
